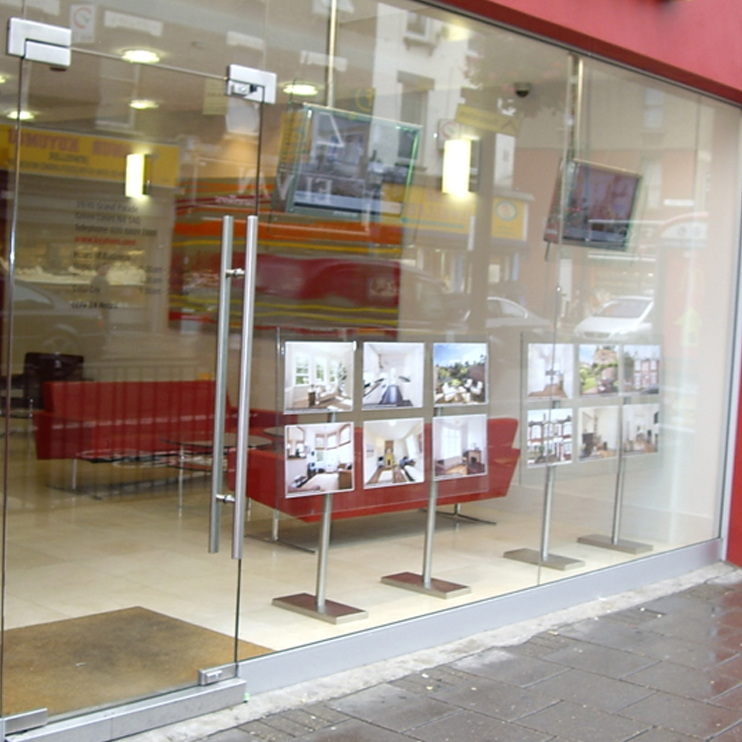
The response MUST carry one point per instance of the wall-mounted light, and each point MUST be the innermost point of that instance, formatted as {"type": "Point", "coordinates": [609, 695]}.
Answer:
{"type": "Point", "coordinates": [137, 177]}
{"type": "Point", "coordinates": [301, 89]}
{"type": "Point", "coordinates": [140, 56]}
{"type": "Point", "coordinates": [456, 166]}
{"type": "Point", "coordinates": [143, 104]}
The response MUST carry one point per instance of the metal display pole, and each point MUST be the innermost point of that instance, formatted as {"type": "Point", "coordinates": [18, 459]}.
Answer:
{"type": "Point", "coordinates": [542, 557]}
{"type": "Point", "coordinates": [317, 606]}
{"type": "Point", "coordinates": [614, 541]}
{"type": "Point", "coordinates": [425, 583]}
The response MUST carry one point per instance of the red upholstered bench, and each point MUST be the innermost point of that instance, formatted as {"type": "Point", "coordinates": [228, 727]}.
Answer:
{"type": "Point", "coordinates": [97, 420]}
{"type": "Point", "coordinates": [266, 480]}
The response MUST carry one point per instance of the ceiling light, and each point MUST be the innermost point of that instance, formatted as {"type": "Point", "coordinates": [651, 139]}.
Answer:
{"type": "Point", "coordinates": [143, 104]}
{"type": "Point", "coordinates": [141, 56]}
{"type": "Point", "coordinates": [3, 79]}
{"type": "Point", "coordinates": [21, 115]}
{"type": "Point", "coordinates": [303, 89]}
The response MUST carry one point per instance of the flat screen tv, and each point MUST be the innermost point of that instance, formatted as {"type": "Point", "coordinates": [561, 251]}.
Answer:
{"type": "Point", "coordinates": [339, 163]}
{"type": "Point", "coordinates": [598, 207]}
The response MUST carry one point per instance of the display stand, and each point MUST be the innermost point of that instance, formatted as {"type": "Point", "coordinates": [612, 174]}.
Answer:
{"type": "Point", "coordinates": [543, 557]}
{"type": "Point", "coordinates": [424, 583]}
{"type": "Point", "coordinates": [614, 541]}
{"type": "Point", "coordinates": [317, 606]}
{"type": "Point", "coordinates": [456, 514]}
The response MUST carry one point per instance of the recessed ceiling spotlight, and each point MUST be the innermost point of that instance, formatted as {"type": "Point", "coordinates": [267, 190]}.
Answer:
{"type": "Point", "coordinates": [140, 56]}
{"type": "Point", "coordinates": [302, 89]}
{"type": "Point", "coordinates": [21, 115]}
{"type": "Point", "coordinates": [143, 104]}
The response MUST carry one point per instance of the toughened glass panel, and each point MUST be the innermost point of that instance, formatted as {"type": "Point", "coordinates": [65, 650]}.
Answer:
{"type": "Point", "coordinates": [494, 283]}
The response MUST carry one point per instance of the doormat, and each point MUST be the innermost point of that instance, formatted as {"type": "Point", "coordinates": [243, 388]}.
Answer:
{"type": "Point", "coordinates": [108, 658]}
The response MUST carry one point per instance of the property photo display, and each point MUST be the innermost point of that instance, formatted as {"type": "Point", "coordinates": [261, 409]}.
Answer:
{"type": "Point", "coordinates": [550, 370]}
{"type": "Point", "coordinates": [598, 369]}
{"type": "Point", "coordinates": [393, 452]}
{"type": "Point", "coordinates": [460, 371]}
{"type": "Point", "coordinates": [641, 369]}
{"type": "Point", "coordinates": [319, 458]}
{"type": "Point", "coordinates": [641, 429]}
{"type": "Point", "coordinates": [549, 436]}
{"type": "Point", "coordinates": [393, 375]}
{"type": "Point", "coordinates": [460, 446]}
{"type": "Point", "coordinates": [598, 432]}
{"type": "Point", "coordinates": [318, 376]}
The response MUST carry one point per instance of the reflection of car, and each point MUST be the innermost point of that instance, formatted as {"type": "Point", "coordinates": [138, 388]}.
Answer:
{"type": "Point", "coordinates": [46, 323]}
{"type": "Point", "coordinates": [621, 318]}
{"type": "Point", "coordinates": [505, 314]}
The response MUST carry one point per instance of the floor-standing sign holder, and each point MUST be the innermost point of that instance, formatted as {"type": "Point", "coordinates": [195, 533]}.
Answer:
{"type": "Point", "coordinates": [317, 606]}
{"type": "Point", "coordinates": [425, 583]}
{"type": "Point", "coordinates": [542, 557]}
{"type": "Point", "coordinates": [614, 541]}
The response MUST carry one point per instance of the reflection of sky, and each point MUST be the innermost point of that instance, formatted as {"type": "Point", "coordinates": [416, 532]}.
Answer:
{"type": "Point", "coordinates": [447, 353]}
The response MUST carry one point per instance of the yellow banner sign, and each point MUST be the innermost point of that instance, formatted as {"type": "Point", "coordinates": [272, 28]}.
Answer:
{"type": "Point", "coordinates": [67, 155]}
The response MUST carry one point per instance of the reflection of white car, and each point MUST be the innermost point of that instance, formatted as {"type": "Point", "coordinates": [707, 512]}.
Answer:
{"type": "Point", "coordinates": [505, 314]}
{"type": "Point", "coordinates": [621, 318]}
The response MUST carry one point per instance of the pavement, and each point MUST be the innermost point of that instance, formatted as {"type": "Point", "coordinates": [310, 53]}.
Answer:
{"type": "Point", "coordinates": [659, 664]}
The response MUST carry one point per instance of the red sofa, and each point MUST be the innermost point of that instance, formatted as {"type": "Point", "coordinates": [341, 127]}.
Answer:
{"type": "Point", "coordinates": [99, 420]}
{"type": "Point", "coordinates": [266, 480]}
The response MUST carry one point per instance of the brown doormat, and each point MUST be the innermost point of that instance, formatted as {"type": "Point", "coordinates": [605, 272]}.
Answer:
{"type": "Point", "coordinates": [108, 658]}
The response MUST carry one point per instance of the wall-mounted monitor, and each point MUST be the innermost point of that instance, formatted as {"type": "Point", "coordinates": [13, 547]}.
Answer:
{"type": "Point", "coordinates": [598, 207]}
{"type": "Point", "coordinates": [336, 163]}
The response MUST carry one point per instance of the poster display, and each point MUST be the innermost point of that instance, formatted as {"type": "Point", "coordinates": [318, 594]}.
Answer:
{"type": "Point", "coordinates": [641, 369]}
{"type": "Point", "coordinates": [598, 432]}
{"type": "Point", "coordinates": [460, 446]}
{"type": "Point", "coordinates": [550, 371]}
{"type": "Point", "coordinates": [393, 452]}
{"type": "Point", "coordinates": [393, 375]}
{"type": "Point", "coordinates": [549, 436]}
{"type": "Point", "coordinates": [319, 458]}
{"type": "Point", "coordinates": [598, 369]}
{"type": "Point", "coordinates": [460, 373]}
{"type": "Point", "coordinates": [318, 376]}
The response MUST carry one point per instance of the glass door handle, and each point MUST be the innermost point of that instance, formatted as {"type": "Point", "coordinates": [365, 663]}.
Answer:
{"type": "Point", "coordinates": [220, 394]}
{"type": "Point", "coordinates": [243, 411]}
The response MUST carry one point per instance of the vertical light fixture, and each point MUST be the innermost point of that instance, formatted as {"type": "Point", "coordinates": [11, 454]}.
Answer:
{"type": "Point", "coordinates": [456, 166]}
{"type": "Point", "coordinates": [135, 184]}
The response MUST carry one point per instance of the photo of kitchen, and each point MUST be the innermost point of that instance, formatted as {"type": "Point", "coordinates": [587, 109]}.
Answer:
{"type": "Point", "coordinates": [393, 375]}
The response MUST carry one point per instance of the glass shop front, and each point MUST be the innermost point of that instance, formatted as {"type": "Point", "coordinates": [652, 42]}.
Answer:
{"type": "Point", "coordinates": [324, 316]}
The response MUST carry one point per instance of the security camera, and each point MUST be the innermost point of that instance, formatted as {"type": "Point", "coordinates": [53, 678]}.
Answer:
{"type": "Point", "coordinates": [522, 89]}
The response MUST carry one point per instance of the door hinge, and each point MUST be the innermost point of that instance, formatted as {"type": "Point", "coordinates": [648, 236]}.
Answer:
{"type": "Point", "coordinates": [39, 42]}
{"type": "Point", "coordinates": [251, 84]}
{"type": "Point", "coordinates": [217, 674]}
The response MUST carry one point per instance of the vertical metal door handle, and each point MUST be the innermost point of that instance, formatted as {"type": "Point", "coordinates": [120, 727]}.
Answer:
{"type": "Point", "coordinates": [220, 393]}
{"type": "Point", "coordinates": [243, 412]}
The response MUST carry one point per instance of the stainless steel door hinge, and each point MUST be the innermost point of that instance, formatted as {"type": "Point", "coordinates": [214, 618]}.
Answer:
{"type": "Point", "coordinates": [39, 42]}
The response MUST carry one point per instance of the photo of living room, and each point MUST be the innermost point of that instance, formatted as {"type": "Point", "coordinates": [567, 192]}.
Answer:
{"type": "Point", "coordinates": [318, 376]}
{"type": "Point", "coordinates": [460, 373]}
{"type": "Point", "coordinates": [393, 452]}
{"type": "Point", "coordinates": [550, 370]}
{"type": "Point", "coordinates": [319, 458]}
{"type": "Point", "coordinates": [598, 431]}
{"type": "Point", "coordinates": [393, 375]}
{"type": "Point", "coordinates": [641, 429]}
{"type": "Point", "coordinates": [460, 446]}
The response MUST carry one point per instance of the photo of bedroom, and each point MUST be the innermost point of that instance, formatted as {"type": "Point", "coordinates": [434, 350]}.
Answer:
{"type": "Point", "coordinates": [460, 373]}
{"type": "Point", "coordinates": [393, 452]}
{"type": "Point", "coordinates": [598, 428]}
{"type": "Point", "coordinates": [319, 458]}
{"type": "Point", "coordinates": [550, 370]}
{"type": "Point", "coordinates": [318, 376]}
{"type": "Point", "coordinates": [393, 375]}
{"type": "Point", "coordinates": [460, 446]}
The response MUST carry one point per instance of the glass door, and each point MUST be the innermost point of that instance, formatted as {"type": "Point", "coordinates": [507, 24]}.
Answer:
{"type": "Point", "coordinates": [122, 176]}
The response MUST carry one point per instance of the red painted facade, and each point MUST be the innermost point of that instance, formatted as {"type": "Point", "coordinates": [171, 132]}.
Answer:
{"type": "Point", "coordinates": [694, 42]}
